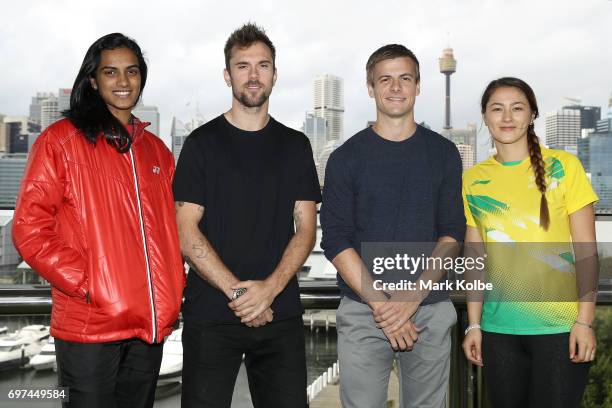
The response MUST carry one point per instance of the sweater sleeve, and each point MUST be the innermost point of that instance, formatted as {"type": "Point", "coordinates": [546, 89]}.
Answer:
{"type": "Point", "coordinates": [451, 218]}
{"type": "Point", "coordinates": [337, 221]}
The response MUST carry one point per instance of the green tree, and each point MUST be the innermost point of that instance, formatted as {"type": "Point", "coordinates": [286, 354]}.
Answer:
{"type": "Point", "coordinates": [598, 393]}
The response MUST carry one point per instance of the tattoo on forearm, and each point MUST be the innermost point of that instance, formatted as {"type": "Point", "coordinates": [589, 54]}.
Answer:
{"type": "Point", "coordinates": [201, 250]}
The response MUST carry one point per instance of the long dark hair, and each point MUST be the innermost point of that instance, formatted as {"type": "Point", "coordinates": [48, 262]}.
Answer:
{"type": "Point", "coordinates": [88, 112]}
{"type": "Point", "coordinates": [535, 153]}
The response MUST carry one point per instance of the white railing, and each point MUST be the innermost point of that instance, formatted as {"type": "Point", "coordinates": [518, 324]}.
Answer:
{"type": "Point", "coordinates": [329, 377]}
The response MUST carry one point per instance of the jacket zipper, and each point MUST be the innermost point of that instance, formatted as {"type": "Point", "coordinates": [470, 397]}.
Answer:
{"type": "Point", "coordinates": [146, 252]}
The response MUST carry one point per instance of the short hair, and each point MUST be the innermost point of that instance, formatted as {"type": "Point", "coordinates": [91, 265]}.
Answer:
{"type": "Point", "coordinates": [390, 51]}
{"type": "Point", "coordinates": [244, 37]}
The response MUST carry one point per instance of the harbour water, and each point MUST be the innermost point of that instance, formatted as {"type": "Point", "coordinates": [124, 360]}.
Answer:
{"type": "Point", "coordinates": [321, 353]}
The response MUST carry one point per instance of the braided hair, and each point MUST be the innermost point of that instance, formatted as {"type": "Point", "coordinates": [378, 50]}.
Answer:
{"type": "Point", "coordinates": [535, 153]}
{"type": "Point", "coordinates": [537, 164]}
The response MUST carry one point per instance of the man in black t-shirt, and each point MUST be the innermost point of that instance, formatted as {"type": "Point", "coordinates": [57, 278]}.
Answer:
{"type": "Point", "coordinates": [242, 181]}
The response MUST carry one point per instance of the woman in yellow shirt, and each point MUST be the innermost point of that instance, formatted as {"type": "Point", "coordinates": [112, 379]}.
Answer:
{"type": "Point", "coordinates": [535, 347]}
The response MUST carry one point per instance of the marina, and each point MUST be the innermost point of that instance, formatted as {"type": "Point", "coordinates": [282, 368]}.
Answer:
{"type": "Point", "coordinates": [321, 353]}
{"type": "Point", "coordinates": [45, 360]}
{"type": "Point", "coordinates": [18, 347]}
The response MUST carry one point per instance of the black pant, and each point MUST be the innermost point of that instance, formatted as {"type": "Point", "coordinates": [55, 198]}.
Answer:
{"type": "Point", "coordinates": [111, 375]}
{"type": "Point", "coordinates": [532, 371]}
{"type": "Point", "coordinates": [274, 358]}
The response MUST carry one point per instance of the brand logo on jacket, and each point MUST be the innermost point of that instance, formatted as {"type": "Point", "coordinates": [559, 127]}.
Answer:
{"type": "Point", "coordinates": [156, 170]}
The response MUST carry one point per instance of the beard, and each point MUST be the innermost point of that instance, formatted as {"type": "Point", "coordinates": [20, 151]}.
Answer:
{"type": "Point", "coordinates": [249, 101]}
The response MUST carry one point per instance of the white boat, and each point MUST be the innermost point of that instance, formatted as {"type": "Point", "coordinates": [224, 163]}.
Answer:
{"type": "Point", "coordinates": [45, 360]}
{"type": "Point", "coordinates": [171, 368]}
{"type": "Point", "coordinates": [17, 348]}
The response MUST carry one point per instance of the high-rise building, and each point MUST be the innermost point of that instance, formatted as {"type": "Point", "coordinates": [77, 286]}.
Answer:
{"type": "Point", "coordinates": [12, 167]}
{"type": "Point", "coordinates": [3, 142]}
{"type": "Point", "coordinates": [589, 115]}
{"type": "Point", "coordinates": [464, 137]}
{"type": "Point", "coordinates": [321, 161]}
{"type": "Point", "coordinates": [63, 99]}
{"type": "Point", "coordinates": [595, 151]}
{"type": "Point", "coordinates": [20, 132]}
{"type": "Point", "coordinates": [604, 125]}
{"type": "Point", "coordinates": [315, 129]}
{"type": "Point", "coordinates": [179, 132]}
{"type": "Point", "coordinates": [467, 155]}
{"type": "Point", "coordinates": [46, 107]}
{"type": "Point", "coordinates": [563, 129]}
{"type": "Point", "coordinates": [8, 253]}
{"type": "Point", "coordinates": [448, 66]}
{"type": "Point", "coordinates": [329, 104]}
{"type": "Point", "coordinates": [35, 106]}
{"type": "Point", "coordinates": [49, 111]}
{"type": "Point", "coordinates": [148, 114]}
{"type": "Point", "coordinates": [584, 152]}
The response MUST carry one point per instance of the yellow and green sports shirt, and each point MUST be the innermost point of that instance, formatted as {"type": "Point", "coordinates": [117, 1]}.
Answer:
{"type": "Point", "coordinates": [531, 269]}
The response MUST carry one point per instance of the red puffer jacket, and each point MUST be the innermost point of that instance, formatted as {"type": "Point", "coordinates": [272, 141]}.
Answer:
{"type": "Point", "coordinates": [100, 227]}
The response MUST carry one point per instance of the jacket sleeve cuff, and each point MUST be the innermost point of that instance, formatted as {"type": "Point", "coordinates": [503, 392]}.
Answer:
{"type": "Point", "coordinates": [82, 289]}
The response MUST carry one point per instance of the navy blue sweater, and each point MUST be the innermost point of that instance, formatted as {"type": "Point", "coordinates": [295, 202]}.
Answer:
{"type": "Point", "coordinates": [378, 190]}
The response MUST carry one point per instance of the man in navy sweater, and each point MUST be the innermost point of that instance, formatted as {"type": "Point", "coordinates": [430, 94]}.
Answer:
{"type": "Point", "coordinates": [396, 182]}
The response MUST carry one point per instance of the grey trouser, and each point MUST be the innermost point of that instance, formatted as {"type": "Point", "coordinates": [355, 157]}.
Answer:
{"type": "Point", "coordinates": [366, 357]}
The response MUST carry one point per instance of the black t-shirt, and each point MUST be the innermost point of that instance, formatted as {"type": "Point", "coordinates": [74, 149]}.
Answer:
{"type": "Point", "coordinates": [248, 183]}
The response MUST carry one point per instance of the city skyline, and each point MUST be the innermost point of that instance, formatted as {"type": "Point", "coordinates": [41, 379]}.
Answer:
{"type": "Point", "coordinates": [549, 47]}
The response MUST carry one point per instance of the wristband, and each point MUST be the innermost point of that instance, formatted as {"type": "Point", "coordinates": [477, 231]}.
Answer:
{"type": "Point", "coordinates": [470, 327]}
{"type": "Point", "coordinates": [583, 324]}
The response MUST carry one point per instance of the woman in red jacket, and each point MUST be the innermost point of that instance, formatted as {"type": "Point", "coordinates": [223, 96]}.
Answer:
{"type": "Point", "coordinates": [95, 218]}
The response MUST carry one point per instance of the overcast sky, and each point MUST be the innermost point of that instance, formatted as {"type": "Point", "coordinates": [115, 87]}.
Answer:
{"type": "Point", "coordinates": [561, 48]}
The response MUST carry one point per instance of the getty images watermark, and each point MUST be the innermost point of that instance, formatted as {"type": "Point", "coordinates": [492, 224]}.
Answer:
{"type": "Point", "coordinates": [405, 263]}
{"type": "Point", "coordinates": [547, 272]}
